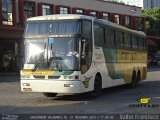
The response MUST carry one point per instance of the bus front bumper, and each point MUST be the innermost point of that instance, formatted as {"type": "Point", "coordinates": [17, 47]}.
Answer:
{"type": "Point", "coordinates": [51, 86]}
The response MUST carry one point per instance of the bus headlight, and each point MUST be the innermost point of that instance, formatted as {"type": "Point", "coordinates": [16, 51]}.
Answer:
{"type": "Point", "coordinates": [25, 84]}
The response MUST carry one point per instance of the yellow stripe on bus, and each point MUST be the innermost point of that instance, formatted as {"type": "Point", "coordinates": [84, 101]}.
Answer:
{"type": "Point", "coordinates": [38, 72]}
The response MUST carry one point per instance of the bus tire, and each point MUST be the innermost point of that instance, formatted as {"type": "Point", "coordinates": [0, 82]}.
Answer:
{"type": "Point", "coordinates": [135, 80]}
{"type": "Point", "coordinates": [50, 94]}
{"type": "Point", "coordinates": [138, 77]}
{"type": "Point", "coordinates": [97, 88]}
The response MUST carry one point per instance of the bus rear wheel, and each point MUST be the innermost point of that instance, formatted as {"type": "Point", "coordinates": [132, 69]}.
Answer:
{"type": "Point", "coordinates": [50, 94]}
{"type": "Point", "coordinates": [97, 88]}
{"type": "Point", "coordinates": [135, 80]}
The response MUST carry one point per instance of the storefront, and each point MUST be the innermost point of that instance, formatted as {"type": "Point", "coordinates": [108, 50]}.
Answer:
{"type": "Point", "coordinates": [10, 50]}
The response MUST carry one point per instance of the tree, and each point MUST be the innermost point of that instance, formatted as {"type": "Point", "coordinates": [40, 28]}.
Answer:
{"type": "Point", "coordinates": [152, 21]}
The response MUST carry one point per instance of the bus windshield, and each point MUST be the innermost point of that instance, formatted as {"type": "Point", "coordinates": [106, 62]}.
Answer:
{"type": "Point", "coordinates": [52, 53]}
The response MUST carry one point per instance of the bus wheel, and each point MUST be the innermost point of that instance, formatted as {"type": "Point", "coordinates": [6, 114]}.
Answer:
{"type": "Point", "coordinates": [135, 80]}
{"type": "Point", "coordinates": [97, 88]}
{"type": "Point", "coordinates": [50, 94]}
{"type": "Point", "coordinates": [138, 78]}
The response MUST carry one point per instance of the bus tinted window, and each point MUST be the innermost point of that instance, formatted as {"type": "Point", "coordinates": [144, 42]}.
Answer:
{"type": "Point", "coordinates": [144, 44]}
{"type": "Point", "coordinates": [53, 27]}
{"type": "Point", "coordinates": [86, 29]}
{"type": "Point", "coordinates": [96, 35]}
{"type": "Point", "coordinates": [102, 34]}
{"type": "Point", "coordinates": [141, 41]}
{"type": "Point", "coordinates": [127, 39]}
{"type": "Point", "coordinates": [110, 37]}
{"type": "Point", "coordinates": [99, 35]}
{"type": "Point", "coordinates": [134, 42]}
{"type": "Point", "coordinates": [86, 45]}
{"type": "Point", "coordinates": [119, 39]}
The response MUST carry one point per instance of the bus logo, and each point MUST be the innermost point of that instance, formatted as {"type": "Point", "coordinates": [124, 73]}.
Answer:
{"type": "Point", "coordinates": [86, 81]}
{"type": "Point", "coordinates": [144, 102]}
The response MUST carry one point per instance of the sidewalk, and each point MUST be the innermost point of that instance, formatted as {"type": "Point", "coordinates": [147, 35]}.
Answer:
{"type": "Point", "coordinates": [9, 73]}
{"type": "Point", "coordinates": [153, 73]}
{"type": "Point", "coordinates": [9, 77]}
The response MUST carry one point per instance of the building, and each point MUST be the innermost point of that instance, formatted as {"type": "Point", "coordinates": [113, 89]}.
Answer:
{"type": "Point", "coordinates": [145, 4]}
{"type": "Point", "coordinates": [13, 14]}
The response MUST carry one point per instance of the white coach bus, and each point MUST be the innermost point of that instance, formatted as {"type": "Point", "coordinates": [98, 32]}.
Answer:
{"type": "Point", "coordinates": [79, 54]}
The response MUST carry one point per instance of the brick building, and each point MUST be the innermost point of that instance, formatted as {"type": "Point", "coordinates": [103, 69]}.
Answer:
{"type": "Point", "coordinates": [13, 14]}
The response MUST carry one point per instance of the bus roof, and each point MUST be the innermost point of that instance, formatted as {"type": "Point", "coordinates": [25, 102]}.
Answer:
{"type": "Point", "coordinates": [76, 16]}
{"type": "Point", "coordinates": [59, 17]}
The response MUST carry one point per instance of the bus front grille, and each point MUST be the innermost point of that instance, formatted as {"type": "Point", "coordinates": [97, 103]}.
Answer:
{"type": "Point", "coordinates": [43, 77]}
{"type": "Point", "coordinates": [54, 77]}
{"type": "Point", "coordinates": [39, 77]}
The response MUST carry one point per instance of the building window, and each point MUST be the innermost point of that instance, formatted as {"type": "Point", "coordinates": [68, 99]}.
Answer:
{"type": "Point", "coordinates": [64, 10]}
{"type": "Point", "coordinates": [79, 11]}
{"type": "Point", "coordinates": [139, 22]}
{"type": "Point", "coordinates": [105, 16]}
{"type": "Point", "coordinates": [7, 12]}
{"type": "Point", "coordinates": [94, 14]}
{"type": "Point", "coordinates": [127, 21]}
{"type": "Point", "coordinates": [29, 10]}
{"type": "Point", "coordinates": [117, 19]}
{"type": "Point", "coordinates": [46, 10]}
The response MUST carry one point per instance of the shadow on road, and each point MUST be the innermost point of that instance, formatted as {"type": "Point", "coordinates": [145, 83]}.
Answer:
{"type": "Point", "coordinates": [144, 89]}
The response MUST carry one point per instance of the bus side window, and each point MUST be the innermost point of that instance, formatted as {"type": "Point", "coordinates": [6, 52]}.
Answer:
{"type": "Point", "coordinates": [102, 34]}
{"type": "Point", "coordinates": [140, 39]}
{"type": "Point", "coordinates": [99, 35]}
{"type": "Point", "coordinates": [134, 42]}
{"type": "Point", "coordinates": [86, 46]}
{"type": "Point", "coordinates": [127, 40]}
{"type": "Point", "coordinates": [119, 39]}
{"type": "Point", "coordinates": [131, 41]}
{"type": "Point", "coordinates": [110, 38]}
{"type": "Point", "coordinates": [122, 40]}
{"type": "Point", "coordinates": [137, 42]}
{"type": "Point", "coordinates": [144, 44]}
{"type": "Point", "coordinates": [86, 29]}
{"type": "Point", "coordinates": [106, 37]}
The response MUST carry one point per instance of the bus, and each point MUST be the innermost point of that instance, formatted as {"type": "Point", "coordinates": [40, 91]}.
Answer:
{"type": "Point", "coordinates": [72, 54]}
